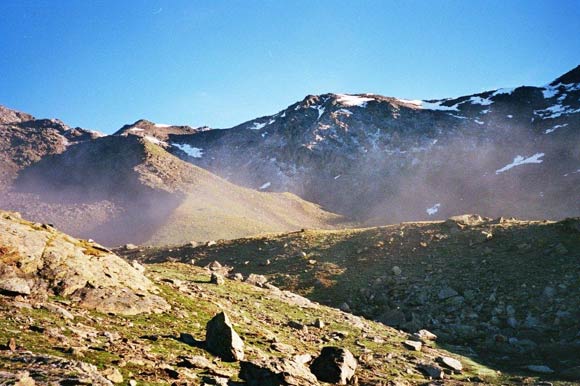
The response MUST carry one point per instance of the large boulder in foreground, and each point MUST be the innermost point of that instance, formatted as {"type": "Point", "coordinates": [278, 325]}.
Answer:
{"type": "Point", "coordinates": [334, 365]}
{"type": "Point", "coordinates": [222, 340]}
{"type": "Point", "coordinates": [276, 372]}
{"type": "Point", "coordinates": [38, 261]}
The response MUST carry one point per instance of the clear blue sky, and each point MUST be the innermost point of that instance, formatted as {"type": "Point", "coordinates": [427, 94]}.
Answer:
{"type": "Point", "coordinates": [101, 64]}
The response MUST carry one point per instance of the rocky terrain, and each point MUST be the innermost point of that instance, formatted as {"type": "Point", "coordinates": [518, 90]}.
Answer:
{"type": "Point", "coordinates": [502, 290]}
{"type": "Point", "coordinates": [204, 329]}
{"type": "Point", "coordinates": [505, 152]}
{"type": "Point", "coordinates": [129, 189]}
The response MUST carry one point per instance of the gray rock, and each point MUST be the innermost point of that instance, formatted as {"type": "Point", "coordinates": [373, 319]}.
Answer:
{"type": "Point", "coordinates": [222, 340]}
{"type": "Point", "coordinates": [276, 372]}
{"type": "Point", "coordinates": [541, 369]}
{"type": "Point", "coordinates": [15, 285]}
{"type": "Point", "coordinates": [393, 318]}
{"type": "Point", "coordinates": [446, 293]}
{"type": "Point", "coordinates": [216, 279]}
{"type": "Point", "coordinates": [334, 365]}
{"type": "Point", "coordinates": [425, 335]}
{"type": "Point", "coordinates": [344, 307]}
{"type": "Point", "coordinates": [432, 371]}
{"type": "Point", "coordinates": [257, 280]}
{"type": "Point", "coordinates": [413, 345]}
{"type": "Point", "coordinates": [451, 363]}
{"type": "Point", "coordinates": [397, 271]}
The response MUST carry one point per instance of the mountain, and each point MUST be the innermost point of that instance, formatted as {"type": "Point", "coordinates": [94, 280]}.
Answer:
{"type": "Point", "coordinates": [505, 290]}
{"type": "Point", "coordinates": [25, 140]}
{"type": "Point", "coordinates": [128, 189]}
{"type": "Point", "coordinates": [510, 152]}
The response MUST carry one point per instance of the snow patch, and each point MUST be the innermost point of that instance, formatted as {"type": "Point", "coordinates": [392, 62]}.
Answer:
{"type": "Point", "coordinates": [353, 100]}
{"type": "Point", "coordinates": [135, 129]}
{"type": "Point", "coordinates": [191, 151]}
{"type": "Point", "coordinates": [337, 177]}
{"type": "Point", "coordinates": [320, 110]}
{"type": "Point", "coordinates": [475, 100]}
{"type": "Point", "coordinates": [425, 105]}
{"type": "Point", "coordinates": [509, 116]}
{"type": "Point", "coordinates": [266, 185]}
{"type": "Point", "coordinates": [519, 160]}
{"type": "Point", "coordinates": [434, 209]}
{"type": "Point", "coordinates": [548, 131]}
{"type": "Point", "coordinates": [154, 140]}
{"type": "Point", "coordinates": [258, 126]}
{"type": "Point", "coordinates": [504, 91]}
{"type": "Point", "coordinates": [162, 125]}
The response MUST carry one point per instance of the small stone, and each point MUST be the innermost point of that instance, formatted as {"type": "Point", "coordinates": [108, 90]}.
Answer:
{"type": "Point", "coordinates": [541, 369]}
{"type": "Point", "coordinates": [334, 365]}
{"type": "Point", "coordinates": [222, 340]}
{"type": "Point", "coordinates": [413, 345]}
{"type": "Point", "coordinates": [318, 323]}
{"type": "Point", "coordinates": [113, 375]}
{"type": "Point", "coordinates": [276, 372]}
{"type": "Point", "coordinates": [426, 335]}
{"type": "Point", "coordinates": [12, 344]}
{"type": "Point", "coordinates": [130, 247]}
{"type": "Point", "coordinates": [397, 271]}
{"type": "Point", "coordinates": [15, 285]}
{"type": "Point", "coordinates": [345, 307]}
{"type": "Point", "coordinates": [446, 293]}
{"type": "Point", "coordinates": [216, 279]}
{"type": "Point", "coordinates": [257, 280]}
{"type": "Point", "coordinates": [24, 379]}
{"type": "Point", "coordinates": [434, 372]}
{"type": "Point", "coordinates": [452, 363]}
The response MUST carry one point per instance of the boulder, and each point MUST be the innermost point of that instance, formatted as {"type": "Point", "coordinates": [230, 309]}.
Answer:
{"type": "Point", "coordinates": [222, 340]}
{"type": "Point", "coordinates": [257, 280]}
{"type": "Point", "coordinates": [276, 372]}
{"type": "Point", "coordinates": [334, 365]}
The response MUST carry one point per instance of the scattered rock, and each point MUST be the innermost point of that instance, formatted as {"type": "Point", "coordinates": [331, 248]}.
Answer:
{"type": "Point", "coordinates": [12, 344]}
{"type": "Point", "coordinates": [216, 278]}
{"type": "Point", "coordinates": [222, 340]}
{"type": "Point", "coordinates": [14, 286]}
{"type": "Point", "coordinates": [446, 292]}
{"type": "Point", "coordinates": [276, 372]}
{"type": "Point", "coordinates": [257, 280]}
{"type": "Point", "coordinates": [195, 362]}
{"type": "Point", "coordinates": [113, 375]}
{"type": "Point", "coordinates": [541, 369]}
{"type": "Point", "coordinates": [344, 307]}
{"type": "Point", "coordinates": [425, 335]}
{"type": "Point", "coordinates": [58, 310]}
{"type": "Point", "coordinates": [431, 371]}
{"type": "Point", "coordinates": [413, 345]}
{"type": "Point", "coordinates": [24, 379]}
{"type": "Point", "coordinates": [318, 323]}
{"type": "Point", "coordinates": [334, 365]}
{"type": "Point", "coordinates": [131, 247]}
{"type": "Point", "coordinates": [397, 271]}
{"type": "Point", "coordinates": [451, 363]}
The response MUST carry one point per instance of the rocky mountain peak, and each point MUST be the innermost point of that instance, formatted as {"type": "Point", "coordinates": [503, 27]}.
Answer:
{"type": "Point", "coordinates": [12, 116]}
{"type": "Point", "coordinates": [572, 76]}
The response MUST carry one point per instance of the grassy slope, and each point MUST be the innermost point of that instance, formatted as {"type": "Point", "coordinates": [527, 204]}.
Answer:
{"type": "Point", "coordinates": [259, 316]}
{"type": "Point", "coordinates": [515, 265]}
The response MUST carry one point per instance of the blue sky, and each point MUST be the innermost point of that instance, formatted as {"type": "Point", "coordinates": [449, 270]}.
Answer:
{"type": "Point", "coordinates": [101, 64]}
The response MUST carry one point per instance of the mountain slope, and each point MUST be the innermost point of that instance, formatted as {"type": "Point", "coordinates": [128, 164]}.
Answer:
{"type": "Point", "coordinates": [25, 140]}
{"type": "Point", "coordinates": [505, 288]}
{"type": "Point", "coordinates": [122, 189]}
{"type": "Point", "coordinates": [510, 152]}
{"type": "Point", "coordinates": [50, 339]}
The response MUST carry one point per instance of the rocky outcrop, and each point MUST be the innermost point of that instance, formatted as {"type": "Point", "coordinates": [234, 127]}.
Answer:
{"type": "Point", "coordinates": [38, 261]}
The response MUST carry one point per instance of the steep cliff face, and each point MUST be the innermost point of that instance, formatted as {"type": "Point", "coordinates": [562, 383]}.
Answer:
{"type": "Point", "coordinates": [382, 159]}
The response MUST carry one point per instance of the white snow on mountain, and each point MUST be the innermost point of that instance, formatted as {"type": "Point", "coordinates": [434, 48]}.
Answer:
{"type": "Point", "coordinates": [162, 125]}
{"type": "Point", "coordinates": [154, 140]}
{"type": "Point", "coordinates": [548, 131]}
{"type": "Point", "coordinates": [266, 185]}
{"type": "Point", "coordinates": [475, 100]}
{"type": "Point", "coordinates": [434, 209]}
{"type": "Point", "coordinates": [519, 160]}
{"type": "Point", "coordinates": [353, 100]}
{"type": "Point", "coordinates": [191, 151]}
